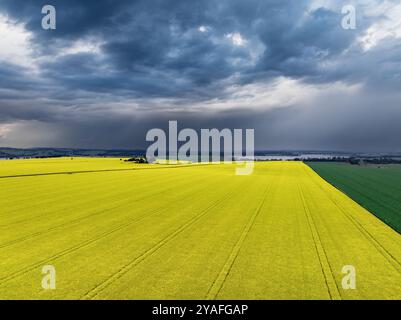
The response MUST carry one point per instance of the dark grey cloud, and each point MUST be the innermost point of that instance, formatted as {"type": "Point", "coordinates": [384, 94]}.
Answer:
{"type": "Point", "coordinates": [148, 62]}
{"type": "Point", "coordinates": [145, 43]}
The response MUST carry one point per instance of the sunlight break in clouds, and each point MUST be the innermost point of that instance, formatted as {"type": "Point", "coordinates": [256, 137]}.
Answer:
{"type": "Point", "coordinates": [388, 25]}
{"type": "Point", "coordinates": [281, 93]}
{"type": "Point", "coordinates": [236, 39]}
{"type": "Point", "coordinates": [15, 46]}
{"type": "Point", "coordinates": [263, 64]}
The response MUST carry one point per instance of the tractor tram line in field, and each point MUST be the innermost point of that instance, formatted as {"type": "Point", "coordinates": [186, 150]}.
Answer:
{"type": "Point", "coordinates": [225, 271]}
{"type": "Point", "coordinates": [327, 271]}
{"type": "Point", "coordinates": [74, 248]}
{"type": "Point", "coordinates": [81, 245]}
{"type": "Point", "coordinates": [368, 236]}
{"type": "Point", "coordinates": [69, 223]}
{"type": "Point", "coordinates": [122, 203]}
{"type": "Point", "coordinates": [125, 269]}
{"type": "Point", "coordinates": [376, 188]}
{"type": "Point", "coordinates": [66, 196]}
{"type": "Point", "coordinates": [53, 197]}
{"type": "Point", "coordinates": [383, 251]}
{"type": "Point", "coordinates": [102, 196]}
{"type": "Point", "coordinates": [199, 232]}
{"type": "Point", "coordinates": [154, 167]}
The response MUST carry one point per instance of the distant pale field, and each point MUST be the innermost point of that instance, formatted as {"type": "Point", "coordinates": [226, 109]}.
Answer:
{"type": "Point", "coordinates": [190, 232]}
{"type": "Point", "coordinates": [62, 165]}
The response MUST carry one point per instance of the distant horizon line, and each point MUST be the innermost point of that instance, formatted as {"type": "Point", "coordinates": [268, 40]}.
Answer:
{"type": "Point", "coordinates": [310, 151]}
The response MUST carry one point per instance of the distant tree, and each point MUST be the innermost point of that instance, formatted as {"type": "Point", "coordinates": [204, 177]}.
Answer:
{"type": "Point", "coordinates": [137, 160]}
{"type": "Point", "coordinates": [354, 161]}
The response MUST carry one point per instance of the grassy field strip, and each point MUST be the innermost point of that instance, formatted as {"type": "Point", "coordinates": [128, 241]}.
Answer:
{"type": "Point", "coordinates": [387, 177]}
{"type": "Point", "coordinates": [54, 238]}
{"type": "Point", "coordinates": [178, 219]}
{"type": "Point", "coordinates": [82, 199]}
{"type": "Point", "coordinates": [353, 244]}
{"type": "Point", "coordinates": [384, 199]}
{"type": "Point", "coordinates": [194, 258]}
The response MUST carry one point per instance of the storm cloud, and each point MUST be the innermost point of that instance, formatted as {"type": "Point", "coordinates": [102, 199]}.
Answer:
{"type": "Point", "coordinates": [112, 70]}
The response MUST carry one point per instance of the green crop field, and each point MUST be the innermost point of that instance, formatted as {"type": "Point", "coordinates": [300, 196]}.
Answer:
{"type": "Point", "coordinates": [375, 187]}
{"type": "Point", "coordinates": [118, 230]}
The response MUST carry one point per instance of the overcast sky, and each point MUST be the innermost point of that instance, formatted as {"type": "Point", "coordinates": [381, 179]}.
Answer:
{"type": "Point", "coordinates": [114, 69]}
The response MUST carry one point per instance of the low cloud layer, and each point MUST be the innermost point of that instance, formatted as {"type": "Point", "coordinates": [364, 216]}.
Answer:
{"type": "Point", "coordinates": [114, 69]}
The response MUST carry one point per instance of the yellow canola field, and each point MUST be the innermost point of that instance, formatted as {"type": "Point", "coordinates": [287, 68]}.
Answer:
{"type": "Point", "coordinates": [189, 232]}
